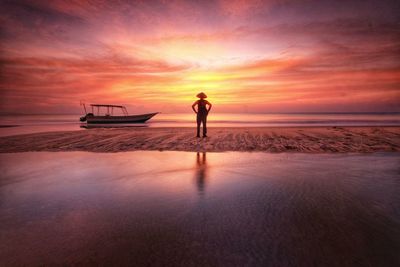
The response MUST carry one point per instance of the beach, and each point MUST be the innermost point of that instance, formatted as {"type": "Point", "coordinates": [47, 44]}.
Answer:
{"type": "Point", "coordinates": [266, 139]}
{"type": "Point", "coordinates": [256, 196]}
{"type": "Point", "coordinates": [328, 198]}
{"type": "Point", "coordinates": [151, 208]}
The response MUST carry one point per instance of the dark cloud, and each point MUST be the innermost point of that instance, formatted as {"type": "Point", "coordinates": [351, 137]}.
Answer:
{"type": "Point", "coordinates": [110, 65]}
{"type": "Point", "coordinates": [30, 12]}
{"type": "Point", "coordinates": [27, 26]}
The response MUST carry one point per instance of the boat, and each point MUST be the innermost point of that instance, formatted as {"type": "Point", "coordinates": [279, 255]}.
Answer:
{"type": "Point", "coordinates": [109, 117]}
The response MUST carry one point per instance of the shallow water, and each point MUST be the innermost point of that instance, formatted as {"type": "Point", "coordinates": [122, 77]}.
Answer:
{"type": "Point", "coordinates": [198, 209]}
{"type": "Point", "coordinates": [24, 124]}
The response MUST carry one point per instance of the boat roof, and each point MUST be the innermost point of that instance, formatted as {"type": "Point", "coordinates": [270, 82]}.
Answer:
{"type": "Point", "coordinates": [102, 105]}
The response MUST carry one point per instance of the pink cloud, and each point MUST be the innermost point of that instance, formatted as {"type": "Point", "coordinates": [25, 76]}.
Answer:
{"type": "Point", "coordinates": [266, 53]}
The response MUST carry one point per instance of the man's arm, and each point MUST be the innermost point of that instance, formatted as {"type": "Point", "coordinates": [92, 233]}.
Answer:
{"type": "Point", "coordinates": [209, 106]}
{"type": "Point", "coordinates": [194, 104]}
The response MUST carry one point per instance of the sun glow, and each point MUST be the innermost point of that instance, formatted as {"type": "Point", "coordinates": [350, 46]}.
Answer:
{"type": "Point", "coordinates": [158, 55]}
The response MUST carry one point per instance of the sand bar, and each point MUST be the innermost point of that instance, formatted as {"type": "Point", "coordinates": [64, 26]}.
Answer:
{"type": "Point", "coordinates": [306, 140]}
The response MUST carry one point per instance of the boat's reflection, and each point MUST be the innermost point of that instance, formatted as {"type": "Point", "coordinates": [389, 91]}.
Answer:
{"type": "Point", "coordinates": [201, 172]}
{"type": "Point", "coordinates": [113, 125]}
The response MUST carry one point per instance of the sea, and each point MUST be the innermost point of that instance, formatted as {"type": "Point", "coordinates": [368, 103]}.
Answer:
{"type": "Point", "coordinates": [24, 124]}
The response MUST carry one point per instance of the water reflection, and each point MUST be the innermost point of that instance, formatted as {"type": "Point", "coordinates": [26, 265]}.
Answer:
{"type": "Point", "coordinates": [138, 209]}
{"type": "Point", "coordinates": [114, 125]}
{"type": "Point", "coordinates": [201, 172]}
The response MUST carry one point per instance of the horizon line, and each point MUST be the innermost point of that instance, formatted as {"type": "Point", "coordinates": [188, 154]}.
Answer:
{"type": "Point", "coordinates": [300, 112]}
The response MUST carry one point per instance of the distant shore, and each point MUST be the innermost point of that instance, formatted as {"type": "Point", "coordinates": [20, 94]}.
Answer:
{"type": "Point", "coordinates": [304, 140]}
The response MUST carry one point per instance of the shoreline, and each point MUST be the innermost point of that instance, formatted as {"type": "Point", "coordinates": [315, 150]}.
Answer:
{"type": "Point", "coordinates": [354, 139]}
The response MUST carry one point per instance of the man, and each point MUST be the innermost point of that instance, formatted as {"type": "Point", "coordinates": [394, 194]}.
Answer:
{"type": "Point", "coordinates": [202, 112]}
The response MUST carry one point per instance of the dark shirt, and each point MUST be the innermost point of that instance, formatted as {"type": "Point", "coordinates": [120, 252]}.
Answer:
{"type": "Point", "coordinates": [202, 108]}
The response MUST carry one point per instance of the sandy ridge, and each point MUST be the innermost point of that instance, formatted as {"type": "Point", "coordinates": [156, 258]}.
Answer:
{"type": "Point", "coordinates": [307, 140]}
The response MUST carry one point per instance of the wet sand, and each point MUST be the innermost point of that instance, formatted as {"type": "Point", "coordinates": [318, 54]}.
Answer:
{"type": "Point", "coordinates": [305, 140]}
{"type": "Point", "coordinates": [152, 208]}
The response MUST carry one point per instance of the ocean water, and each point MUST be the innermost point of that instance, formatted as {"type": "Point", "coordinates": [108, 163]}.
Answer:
{"type": "Point", "coordinates": [21, 124]}
{"type": "Point", "coordinates": [153, 208]}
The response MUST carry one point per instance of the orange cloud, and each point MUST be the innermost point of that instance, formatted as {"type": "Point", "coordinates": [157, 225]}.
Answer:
{"type": "Point", "coordinates": [259, 56]}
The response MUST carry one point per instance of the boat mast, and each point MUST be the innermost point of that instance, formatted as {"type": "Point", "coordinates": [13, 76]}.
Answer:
{"type": "Point", "coordinates": [125, 111]}
{"type": "Point", "coordinates": [84, 106]}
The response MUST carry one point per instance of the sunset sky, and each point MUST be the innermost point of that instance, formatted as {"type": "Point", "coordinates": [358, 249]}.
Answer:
{"type": "Point", "coordinates": [248, 56]}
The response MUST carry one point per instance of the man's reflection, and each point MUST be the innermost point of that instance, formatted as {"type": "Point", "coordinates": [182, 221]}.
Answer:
{"type": "Point", "coordinates": [201, 172]}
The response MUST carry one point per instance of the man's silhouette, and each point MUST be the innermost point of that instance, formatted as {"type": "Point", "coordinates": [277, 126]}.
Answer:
{"type": "Point", "coordinates": [202, 112]}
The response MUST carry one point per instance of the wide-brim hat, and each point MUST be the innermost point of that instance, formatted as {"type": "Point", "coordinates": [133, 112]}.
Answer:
{"type": "Point", "coordinates": [201, 95]}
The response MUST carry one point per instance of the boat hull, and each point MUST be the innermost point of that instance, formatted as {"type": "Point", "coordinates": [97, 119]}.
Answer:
{"type": "Point", "coordinates": [120, 119]}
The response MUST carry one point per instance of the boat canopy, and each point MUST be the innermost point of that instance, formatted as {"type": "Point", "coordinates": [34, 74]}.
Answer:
{"type": "Point", "coordinates": [109, 108]}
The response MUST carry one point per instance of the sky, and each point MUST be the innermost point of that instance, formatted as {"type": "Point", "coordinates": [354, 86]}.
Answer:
{"type": "Point", "coordinates": [247, 56]}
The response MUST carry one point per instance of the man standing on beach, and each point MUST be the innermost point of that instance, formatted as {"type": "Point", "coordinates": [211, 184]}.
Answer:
{"type": "Point", "coordinates": [202, 112]}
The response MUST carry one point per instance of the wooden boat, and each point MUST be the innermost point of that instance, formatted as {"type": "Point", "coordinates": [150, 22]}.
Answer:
{"type": "Point", "coordinates": [108, 117]}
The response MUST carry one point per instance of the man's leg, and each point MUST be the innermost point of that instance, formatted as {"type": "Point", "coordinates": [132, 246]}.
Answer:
{"type": "Point", "coordinates": [198, 125]}
{"type": "Point", "coordinates": [204, 119]}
